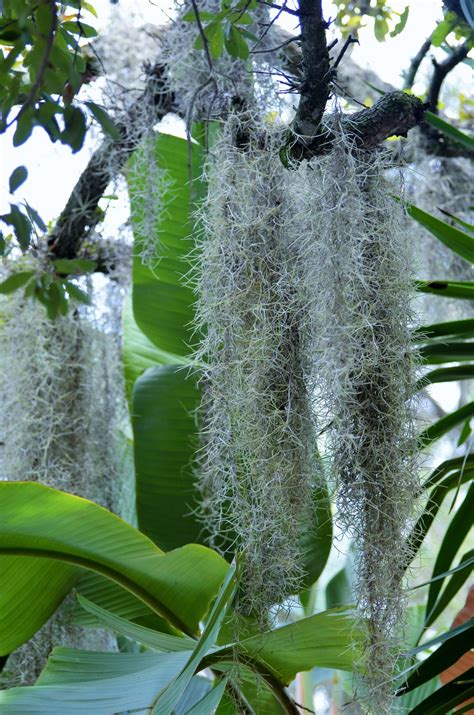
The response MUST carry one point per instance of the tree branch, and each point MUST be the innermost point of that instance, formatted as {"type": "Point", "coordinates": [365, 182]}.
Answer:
{"type": "Point", "coordinates": [438, 143]}
{"type": "Point", "coordinates": [415, 64]}
{"type": "Point", "coordinates": [315, 87]}
{"type": "Point", "coordinates": [441, 70]}
{"type": "Point", "coordinates": [393, 115]}
{"type": "Point", "coordinates": [80, 214]}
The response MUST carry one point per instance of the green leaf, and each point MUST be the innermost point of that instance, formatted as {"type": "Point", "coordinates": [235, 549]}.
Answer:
{"type": "Point", "coordinates": [235, 44]}
{"type": "Point", "coordinates": [107, 124]}
{"type": "Point", "coordinates": [442, 637]}
{"type": "Point", "coordinates": [456, 643]}
{"type": "Point", "coordinates": [446, 374]}
{"type": "Point", "coordinates": [77, 293]}
{"type": "Point", "coordinates": [75, 128]}
{"type": "Point", "coordinates": [454, 536]}
{"type": "Point", "coordinates": [456, 219]}
{"type": "Point", "coordinates": [210, 701]}
{"type": "Point", "coordinates": [39, 521]}
{"type": "Point", "coordinates": [82, 682]}
{"type": "Point", "coordinates": [442, 30]}
{"type": "Point", "coordinates": [80, 28]}
{"type": "Point", "coordinates": [437, 353]}
{"type": "Point", "coordinates": [163, 642]}
{"type": "Point", "coordinates": [34, 217]}
{"type": "Point", "coordinates": [162, 291]}
{"type": "Point", "coordinates": [30, 594]}
{"type": "Point", "coordinates": [108, 595]}
{"type": "Point", "coordinates": [215, 38]}
{"type": "Point", "coordinates": [164, 404]}
{"type": "Point", "coordinates": [74, 265]}
{"type": "Point", "coordinates": [455, 328]}
{"type": "Point", "coordinates": [452, 132]}
{"type": "Point", "coordinates": [253, 688]}
{"type": "Point", "coordinates": [458, 241]}
{"type": "Point", "coordinates": [316, 540]}
{"type": "Point", "coordinates": [24, 127]}
{"type": "Point", "coordinates": [444, 699]}
{"type": "Point", "coordinates": [380, 28]}
{"type": "Point", "coordinates": [400, 26]}
{"type": "Point", "coordinates": [338, 590]}
{"type": "Point", "coordinates": [21, 225]}
{"type": "Point", "coordinates": [167, 701]}
{"type": "Point", "coordinates": [203, 15]}
{"type": "Point", "coordinates": [447, 289]}
{"type": "Point", "coordinates": [326, 640]}
{"type": "Point", "coordinates": [465, 563]}
{"type": "Point", "coordinates": [460, 574]}
{"type": "Point", "coordinates": [450, 465]}
{"type": "Point", "coordinates": [15, 281]}
{"type": "Point", "coordinates": [436, 498]}
{"type": "Point", "coordinates": [139, 353]}
{"type": "Point", "coordinates": [445, 425]}
{"type": "Point", "coordinates": [17, 178]}
{"type": "Point", "coordinates": [465, 433]}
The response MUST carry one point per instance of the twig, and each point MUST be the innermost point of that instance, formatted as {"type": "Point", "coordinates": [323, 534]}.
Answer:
{"type": "Point", "coordinates": [278, 47]}
{"type": "Point", "coordinates": [203, 35]}
{"type": "Point", "coordinates": [350, 41]}
{"type": "Point", "coordinates": [282, 8]}
{"type": "Point", "coordinates": [415, 64]}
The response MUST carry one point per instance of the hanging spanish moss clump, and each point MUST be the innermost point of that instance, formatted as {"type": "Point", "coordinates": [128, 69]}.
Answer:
{"type": "Point", "coordinates": [62, 408]}
{"type": "Point", "coordinates": [351, 246]}
{"type": "Point", "coordinates": [258, 461]}
{"type": "Point", "coordinates": [56, 389]}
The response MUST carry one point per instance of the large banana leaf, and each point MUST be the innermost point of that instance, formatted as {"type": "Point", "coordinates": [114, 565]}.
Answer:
{"type": "Point", "coordinates": [327, 640]}
{"type": "Point", "coordinates": [163, 642]}
{"type": "Point", "coordinates": [110, 596]}
{"type": "Point", "coordinates": [317, 540]}
{"type": "Point", "coordinates": [37, 521]}
{"type": "Point", "coordinates": [162, 303]}
{"type": "Point", "coordinates": [139, 353]}
{"type": "Point", "coordinates": [82, 682]}
{"type": "Point", "coordinates": [164, 406]}
{"type": "Point", "coordinates": [31, 590]}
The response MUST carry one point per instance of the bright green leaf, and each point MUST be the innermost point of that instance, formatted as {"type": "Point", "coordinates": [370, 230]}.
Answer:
{"type": "Point", "coordinates": [17, 178]}
{"type": "Point", "coordinates": [107, 124]}
{"type": "Point", "coordinates": [15, 281]}
{"type": "Point", "coordinates": [36, 520]}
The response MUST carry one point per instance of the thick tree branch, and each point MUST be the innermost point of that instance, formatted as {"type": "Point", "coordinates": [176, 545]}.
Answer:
{"type": "Point", "coordinates": [393, 115]}
{"type": "Point", "coordinates": [441, 70]}
{"type": "Point", "coordinates": [315, 87]}
{"type": "Point", "coordinates": [80, 214]}
{"type": "Point", "coordinates": [415, 63]}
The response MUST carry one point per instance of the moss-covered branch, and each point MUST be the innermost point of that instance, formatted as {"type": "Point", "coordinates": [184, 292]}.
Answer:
{"type": "Point", "coordinates": [80, 214]}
